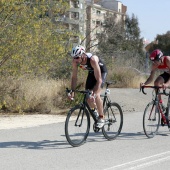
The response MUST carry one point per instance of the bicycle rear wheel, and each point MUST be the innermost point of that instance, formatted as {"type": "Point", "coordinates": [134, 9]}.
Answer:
{"type": "Point", "coordinates": [151, 120]}
{"type": "Point", "coordinates": [77, 126]}
{"type": "Point", "coordinates": [114, 121]}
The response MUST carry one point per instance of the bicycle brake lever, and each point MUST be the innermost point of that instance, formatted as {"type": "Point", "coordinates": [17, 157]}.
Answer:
{"type": "Point", "coordinates": [67, 90]}
{"type": "Point", "coordinates": [143, 90]}
{"type": "Point", "coordinates": [69, 93]}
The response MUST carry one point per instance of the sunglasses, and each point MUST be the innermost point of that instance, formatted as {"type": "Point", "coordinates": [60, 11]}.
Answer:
{"type": "Point", "coordinates": [76, 57]}
{"type": "Point", "coordinates": [155, 61]}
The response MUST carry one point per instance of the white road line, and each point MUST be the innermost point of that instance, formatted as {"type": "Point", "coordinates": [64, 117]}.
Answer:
{"type": "Point", "coordinates": [148, 163]}
{"type": "Point", "coordinates": [144, 162]}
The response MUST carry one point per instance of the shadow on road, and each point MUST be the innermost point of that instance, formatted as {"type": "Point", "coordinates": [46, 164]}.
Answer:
{"type": "Point", "coordinates": [40, 145]}
{"type": "Point", "coordinates": [140, 135]}
{"type": "Point", "coordinates": [48, 144]}
{"type": "Point", "coordinates": [63, 144]}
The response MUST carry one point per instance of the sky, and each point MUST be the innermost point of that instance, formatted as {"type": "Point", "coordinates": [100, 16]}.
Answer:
{"type": "Point", "coordinates": [153, 16]}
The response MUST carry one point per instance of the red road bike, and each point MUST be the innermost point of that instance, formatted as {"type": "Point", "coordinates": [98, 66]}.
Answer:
{"type": "Point", "coordinates": [155, 113]}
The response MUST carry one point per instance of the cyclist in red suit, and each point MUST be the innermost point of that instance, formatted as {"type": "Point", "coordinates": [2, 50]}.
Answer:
{"type": "Point", "coordinates": [159, 62]}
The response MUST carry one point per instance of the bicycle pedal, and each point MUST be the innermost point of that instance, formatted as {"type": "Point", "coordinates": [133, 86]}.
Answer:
{"type": "Point", "coordinates": [96, 129]}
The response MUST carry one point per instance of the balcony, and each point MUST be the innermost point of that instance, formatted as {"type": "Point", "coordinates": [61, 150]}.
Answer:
{"type": "Point", "coordinates": [74, 4]}
{"type": "Point", "coordinates": [71, 21]}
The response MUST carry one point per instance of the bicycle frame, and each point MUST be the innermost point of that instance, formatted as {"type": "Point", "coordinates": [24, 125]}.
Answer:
{"type": "Point", "coordinates": [106, 99]}
{"type": "Point", "coordinates": [158, 106]}
{"type": "Point", "coordinates": [85, 104]}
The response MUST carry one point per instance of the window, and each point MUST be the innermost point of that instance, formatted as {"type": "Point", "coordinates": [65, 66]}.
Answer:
{"type": "Point", "coordinates": [98, 12]}
{"type": "Point", "coordinates": [75, 4]}
{"type": "Point", "coordinates": [75, 15]}
{"type": "Point", "coordinates": [98, 23]}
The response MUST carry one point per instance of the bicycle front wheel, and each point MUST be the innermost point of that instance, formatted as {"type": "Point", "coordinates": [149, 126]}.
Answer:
{"type": "Point", "coordinates": [151, 120]}
{"type": "Point", "coordinates": [77, 126]}
{"type": "Point", "coordinates": [114, 121]}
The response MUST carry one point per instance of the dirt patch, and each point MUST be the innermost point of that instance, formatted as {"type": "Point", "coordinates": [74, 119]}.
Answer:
{"type": "Point", "coordinates": [132, 100]}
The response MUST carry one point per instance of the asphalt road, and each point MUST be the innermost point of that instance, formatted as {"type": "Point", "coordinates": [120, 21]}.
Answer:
{"type": "Point", "coordinates": [45, 147]}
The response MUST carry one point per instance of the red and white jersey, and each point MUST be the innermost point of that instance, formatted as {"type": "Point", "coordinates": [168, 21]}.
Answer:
{"type": "Point", "coordinates": [164, 66]}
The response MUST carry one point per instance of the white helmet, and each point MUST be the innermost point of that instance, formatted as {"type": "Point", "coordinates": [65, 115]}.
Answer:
{"type": "Point", "coordinates": [77, 51]}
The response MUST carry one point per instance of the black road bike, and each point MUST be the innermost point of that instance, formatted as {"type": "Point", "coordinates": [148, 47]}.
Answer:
{"type": "Point", "coordinates": [77, 124]}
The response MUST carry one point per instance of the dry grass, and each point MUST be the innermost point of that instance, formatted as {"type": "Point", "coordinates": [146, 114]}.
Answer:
{"type": "Point", "coordinates": [126, 78]}
{"type": "Point", "coordinates": [123, 71]}
{"type": "Point", "coordinates": [31, 95]}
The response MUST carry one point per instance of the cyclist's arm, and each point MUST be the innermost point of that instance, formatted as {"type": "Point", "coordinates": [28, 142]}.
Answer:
{"type": "Point", "coordinates": [167, 84]}
{"type": "Point", "coordinates": [97, 73]}
{"type": "Point", "coordinates": [152, 74]}
{"type": "Point", "coordinates": [74, 76]}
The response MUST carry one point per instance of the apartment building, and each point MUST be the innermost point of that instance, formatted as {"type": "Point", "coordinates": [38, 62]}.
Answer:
{"type": "Point", "coordinates": [98, 11]}
{"type": "Point", "coordinates": [77, 19]}
{"type": "Point", "coordinates": [87, 17]}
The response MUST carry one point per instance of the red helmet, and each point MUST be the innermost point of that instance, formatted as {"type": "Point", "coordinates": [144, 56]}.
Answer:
{"type": "Point", "coordinates": [156, 55]}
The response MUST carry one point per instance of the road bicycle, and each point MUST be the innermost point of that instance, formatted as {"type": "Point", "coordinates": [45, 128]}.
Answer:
{"type": "Point", "coordinates": [155, 112]}
{"type": "Point", "coordinates": [77, 124]}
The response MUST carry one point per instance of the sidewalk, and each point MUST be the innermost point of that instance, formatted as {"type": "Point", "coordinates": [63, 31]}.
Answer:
{"type": "Point", "coordinates": [24, 121]}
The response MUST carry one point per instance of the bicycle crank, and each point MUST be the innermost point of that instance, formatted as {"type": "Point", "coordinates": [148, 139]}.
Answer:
{"type": "Point", "coordinates": [162, 122]}
{"type": "Point", "coordinates": [96, 129]}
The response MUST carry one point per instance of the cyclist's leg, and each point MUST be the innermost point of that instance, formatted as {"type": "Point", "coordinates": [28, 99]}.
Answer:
{"type": "Point", "coordinates": [99, 104]}
{"type": "Point", "coordinates": [166, 77]}
{"type": "Point", "coordinates": [90, 83]}
{"type": "Point", "coordinates": [163, 78]}
{"type": "Point", "coordinates": [159, 81]}
{"type": "Point", "coordinates": [99, 101]}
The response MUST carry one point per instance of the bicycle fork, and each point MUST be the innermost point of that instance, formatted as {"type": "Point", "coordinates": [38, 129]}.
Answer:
{"type": "Point", "coordinates": [82, 108]}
